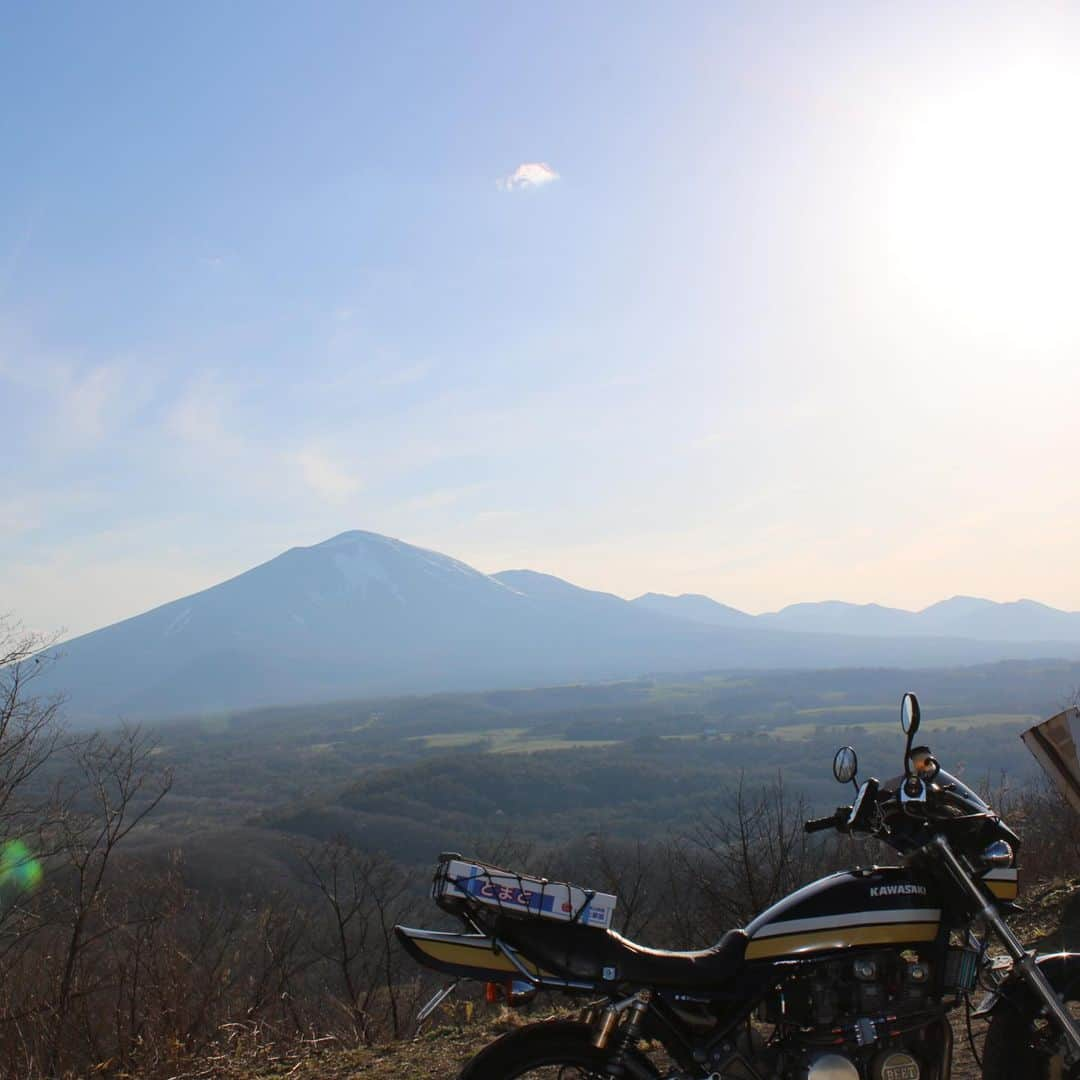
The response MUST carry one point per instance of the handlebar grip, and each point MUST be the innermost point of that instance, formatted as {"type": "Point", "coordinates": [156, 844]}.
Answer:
{"type": "Point", "coordinates": [821, 823]}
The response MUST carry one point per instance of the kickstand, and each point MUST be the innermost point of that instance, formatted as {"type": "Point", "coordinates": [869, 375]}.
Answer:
{"type": "Point", "coordinates": [435, 1002]}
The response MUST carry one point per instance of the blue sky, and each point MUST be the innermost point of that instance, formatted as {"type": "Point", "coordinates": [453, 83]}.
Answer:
{"type": "Point", "coordinates": [793, 316]}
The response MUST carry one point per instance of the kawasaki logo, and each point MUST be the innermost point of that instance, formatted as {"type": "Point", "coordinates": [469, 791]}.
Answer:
{"type": "Point", "coordinates": [898, 890]}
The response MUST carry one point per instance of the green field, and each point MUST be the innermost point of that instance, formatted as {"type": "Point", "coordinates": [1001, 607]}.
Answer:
{"type": "Point", "coordinates": [530, 746]}
{"type": "Point", "coordinates": [460, 740]}
{"type": "Point", "coordinates": [506, 741]}
{"type": "Point", "coordinates": [969, 722]}
{"type": "Point", "coordinates": [522, 740]}
{"type": "Point", "coordinates": [841, 710]}
{"type": "Point", "coordinates": [672, 692]}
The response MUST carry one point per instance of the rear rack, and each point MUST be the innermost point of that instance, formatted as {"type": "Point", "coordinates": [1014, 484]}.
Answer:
{"type": "Point", "coordinates": [474, 888]}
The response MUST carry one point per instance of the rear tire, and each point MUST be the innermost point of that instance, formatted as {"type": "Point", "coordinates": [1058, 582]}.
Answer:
{"type": "Point", "coordinates": [552, 1050]}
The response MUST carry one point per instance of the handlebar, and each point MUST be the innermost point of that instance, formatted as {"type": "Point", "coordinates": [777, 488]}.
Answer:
{"type": "Point", "coordinates": [833, 821]}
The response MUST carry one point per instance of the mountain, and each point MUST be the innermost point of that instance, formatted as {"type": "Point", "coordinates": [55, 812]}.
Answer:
{"type": "Point", "coordinates": [961, 617]}
{"type": "Point", "coordinates": [547, 592]}
{"type": "Point", "coordinates": [694, 606]}
{"type": "Point", "coordinates": [837, 617]}
{"type": "Point", "coordinates": [313, 622]}
{"type": "Point", "coordinates": [1020, 620]}
{"type": "Point", "coordinates": [363, 614]}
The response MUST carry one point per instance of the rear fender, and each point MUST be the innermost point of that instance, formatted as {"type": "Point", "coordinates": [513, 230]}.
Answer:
{"type": "Point", "coordinates": [465, 956]}
{"type": "Point", "coordinates": [1061, 969]}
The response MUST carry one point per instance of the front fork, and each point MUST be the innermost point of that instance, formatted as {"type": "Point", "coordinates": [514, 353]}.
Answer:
{"type": "Point", "coordinates": [1023, 959]}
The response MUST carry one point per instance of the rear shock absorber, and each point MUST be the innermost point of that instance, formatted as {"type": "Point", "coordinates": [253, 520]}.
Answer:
{"type": "Point", "coordinates": [628, 1036]}
{"type": "Point", "coordinates": [637, 1006]}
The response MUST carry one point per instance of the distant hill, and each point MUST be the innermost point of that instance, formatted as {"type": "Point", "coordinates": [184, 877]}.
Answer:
{"type": "Point", "coordinates": [962, 616]}
{"type": "Point", "coordinates": [696, 607]}
{"type": "Point", "coordinates": [364, 614]}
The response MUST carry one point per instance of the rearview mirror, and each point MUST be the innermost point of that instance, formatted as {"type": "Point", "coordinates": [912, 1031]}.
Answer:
{"type": "Point", "coordinates": [845, 765]}
{"type": "Point", "coordinates": [909, 714]}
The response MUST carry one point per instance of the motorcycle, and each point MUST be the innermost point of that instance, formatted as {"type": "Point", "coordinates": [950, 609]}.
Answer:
{"type": "Point", "coordinates": [851, 977]}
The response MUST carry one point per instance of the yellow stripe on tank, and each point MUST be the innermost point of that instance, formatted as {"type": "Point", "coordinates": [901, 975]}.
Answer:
{"type": "Point", "coordinates": [843, 937]}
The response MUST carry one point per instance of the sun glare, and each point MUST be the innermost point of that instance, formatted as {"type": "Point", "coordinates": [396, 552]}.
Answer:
{"type": "Point", "coordinates": [984, 206]}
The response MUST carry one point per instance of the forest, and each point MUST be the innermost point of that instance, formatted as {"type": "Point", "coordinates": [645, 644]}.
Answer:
{"type": "Point", "coordinates": [228, 883]}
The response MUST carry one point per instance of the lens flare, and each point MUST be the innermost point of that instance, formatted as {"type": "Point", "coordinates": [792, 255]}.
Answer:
{"type": "Point", "coordinates": [18, 867]}
{"type": "Point", "coordinates": [983, 220]}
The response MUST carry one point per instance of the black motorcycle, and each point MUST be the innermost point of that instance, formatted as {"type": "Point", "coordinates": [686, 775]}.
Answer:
{"type": "Point", "coordinates": [851, 977]}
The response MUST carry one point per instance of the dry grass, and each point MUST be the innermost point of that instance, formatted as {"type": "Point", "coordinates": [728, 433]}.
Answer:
{"type": "Point", "coordinates": [249, 1053]}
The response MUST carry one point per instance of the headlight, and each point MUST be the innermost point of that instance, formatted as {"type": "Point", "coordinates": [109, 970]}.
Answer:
{"type": "Point", "coordinates": [997, 853]}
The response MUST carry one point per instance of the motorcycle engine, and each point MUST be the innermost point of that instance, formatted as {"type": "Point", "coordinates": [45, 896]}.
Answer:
{"type": "Point", "coordinates": [850, 1019]}
{"type": "Point", "coordinates": [888, 1065]}
{"type": "Point", "coordinates": [840, 992]}
{"type": "Point", "coordinates": [832, 1066]}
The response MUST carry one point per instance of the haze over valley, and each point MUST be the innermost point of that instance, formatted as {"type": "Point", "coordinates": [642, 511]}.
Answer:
{"type": "Point", "coordinates": [363, 614]}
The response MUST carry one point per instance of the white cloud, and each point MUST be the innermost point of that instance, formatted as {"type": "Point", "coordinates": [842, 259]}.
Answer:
{"type": "Point", "coordinates": [406, 376]}
{"type": "Point", "coordinates": [91, 404]}
{"type": "Point", "coordinates": [18, 514]}
{"type": "Point", "coordinates": [530, 174]}
{"type": "Point", "coordinates": [75, 404]}
{"type": "Point", "coordinates": [199, 417]}
{"type": "Point", "coordinates": [489, 516]}
{"type": "Point", "coordinates": [325, 477]}
{"type": "Point", "coordinates": [434, 500]}
{"type": "Point", "coordinates": [87, 398]}
{"type": "Point", "coordinates": [92, 581]}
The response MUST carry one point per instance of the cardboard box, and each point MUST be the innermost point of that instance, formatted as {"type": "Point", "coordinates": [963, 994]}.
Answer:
{"type": "Point", "coordinates": [518, 894]}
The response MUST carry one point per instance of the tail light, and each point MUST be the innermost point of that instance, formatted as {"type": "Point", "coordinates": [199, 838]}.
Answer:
{"type": "Point", "coordinates": [513, 992]}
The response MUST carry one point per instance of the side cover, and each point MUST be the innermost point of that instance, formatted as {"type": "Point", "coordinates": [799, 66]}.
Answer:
{"type": "Point", "coordinates": [882, 905]}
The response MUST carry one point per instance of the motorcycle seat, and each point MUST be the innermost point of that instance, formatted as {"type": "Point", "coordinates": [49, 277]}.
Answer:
{"type": "Point", "coordinates": [594, 955]}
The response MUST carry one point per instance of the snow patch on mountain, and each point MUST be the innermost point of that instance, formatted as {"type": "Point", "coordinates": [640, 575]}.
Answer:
{"type": "Point", "coordinates": [179, 622]}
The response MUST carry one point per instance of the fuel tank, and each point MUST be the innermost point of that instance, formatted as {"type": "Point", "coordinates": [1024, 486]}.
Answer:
{"type": "Point", "coordinates": [880, 905]}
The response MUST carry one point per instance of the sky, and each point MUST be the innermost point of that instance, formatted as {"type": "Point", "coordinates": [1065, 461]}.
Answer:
{"type": "Point", "coordinates": [760, 301]}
